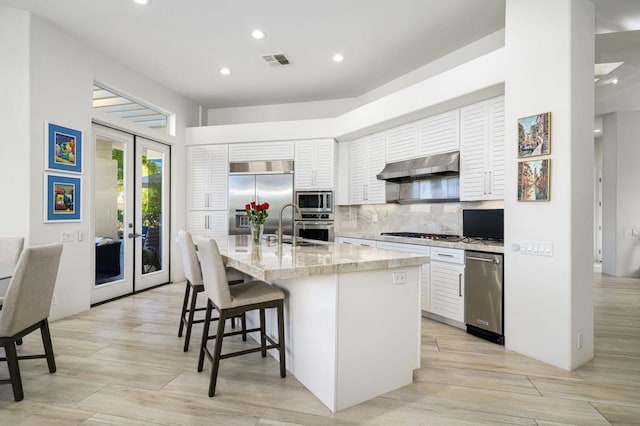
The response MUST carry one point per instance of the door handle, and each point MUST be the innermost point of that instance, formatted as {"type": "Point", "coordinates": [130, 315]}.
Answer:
{"type": "Point", "coordinates": [480, 259]}
{"type": "Point", "coordinates": [134, 235]}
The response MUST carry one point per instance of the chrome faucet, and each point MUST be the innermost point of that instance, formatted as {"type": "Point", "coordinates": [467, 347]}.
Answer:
{"type": "Point", "coordinates": [296, 210]}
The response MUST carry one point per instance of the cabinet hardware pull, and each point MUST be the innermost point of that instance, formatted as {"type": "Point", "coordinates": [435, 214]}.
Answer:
{"type": "Point", "coordinates": [490, 183]}
{"type": "Point", "coordinates": [444, 255]}
{"type": "Point", "coordinates": [460, 285]}
{"type": "Point", "coordinates": [206, 200]}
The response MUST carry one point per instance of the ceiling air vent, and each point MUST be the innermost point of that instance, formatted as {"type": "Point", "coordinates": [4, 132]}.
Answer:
{"type": "Point", "coordinates": [276, 60]}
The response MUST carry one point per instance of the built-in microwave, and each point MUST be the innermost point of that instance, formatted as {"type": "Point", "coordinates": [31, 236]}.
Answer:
{"type": "Point", "coordinates": [315, 201]}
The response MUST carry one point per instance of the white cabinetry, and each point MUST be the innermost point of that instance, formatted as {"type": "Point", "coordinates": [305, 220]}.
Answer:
{"type": "Point", "coordinates": [356, 241]}
{"type": "Point", "coordinates": [482, 150]}
{"type": "Point", "coordinates": [315, 164]}
{"type": "Point", "coordinates": [367, 159]}
{"type": "Point", "coordinates": [210, 223]}
{"type": "Point", "coordinates": [446, 286]}
{"type": "Point", "coordinates": [208, 168]}
{"type": "Point", "coordinates": [402, 142]}
{"type": "Point", "coordinates": [425, 270]}
{"type": "Point", "coordinates": [439, 133]}
{"type": "Point", "coordinates": [261, 151]}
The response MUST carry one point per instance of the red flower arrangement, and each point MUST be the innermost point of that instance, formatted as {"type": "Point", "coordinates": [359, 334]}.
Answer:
{"type": "Point", "coordinates": [257, 213]}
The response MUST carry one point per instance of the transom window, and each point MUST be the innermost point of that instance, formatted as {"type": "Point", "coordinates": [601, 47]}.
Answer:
{"type": "Point", "coordinates": [112, 103]}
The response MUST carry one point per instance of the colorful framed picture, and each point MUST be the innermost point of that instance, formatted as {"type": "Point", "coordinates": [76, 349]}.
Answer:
{"type": "Point", "coordinates": [534, 135]}
{"type": "Point", "coordinates": [64, 149]}
{"type": "Point", "coordinates": [534, 180]}
{"type": "Point", "coordinates": [64, 198]}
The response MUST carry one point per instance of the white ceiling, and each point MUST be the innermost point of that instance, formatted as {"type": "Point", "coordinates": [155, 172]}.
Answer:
{"type": "Point", "coordinates": [183, 44]}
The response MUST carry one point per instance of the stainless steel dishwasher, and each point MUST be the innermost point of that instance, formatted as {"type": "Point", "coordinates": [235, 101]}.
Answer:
{"type": "Point", "coordinates": [484, 297]}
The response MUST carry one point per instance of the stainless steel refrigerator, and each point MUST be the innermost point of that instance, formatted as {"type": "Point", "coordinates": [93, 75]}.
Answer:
{"type": "Point", "coordinates": [274, 186]}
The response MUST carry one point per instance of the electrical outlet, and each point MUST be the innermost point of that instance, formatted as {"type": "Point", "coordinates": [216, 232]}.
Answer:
{"type": "Point", "coordinates": [80, 235]}
{"type": "Point", "coordinates": [399, 278]}
{"type": "Point", "coordinates": [53, 299]}
{"type": "Point", "coordinates": [580, 339]}
{"type": "Point", "coordinates": [67, 236]}
{"type": "Point", "coordinates": [374, 218]}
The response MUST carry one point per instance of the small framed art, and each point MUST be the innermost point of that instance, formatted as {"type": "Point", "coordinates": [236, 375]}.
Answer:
{"type": "Point", "coordinates": [534, 180]}
{"type": "Point", "coordinates": [534, 135]}
{"type": "Point", "coordinates": [64, 149]}
{"type": "Point", "coordinates": [64, 198]}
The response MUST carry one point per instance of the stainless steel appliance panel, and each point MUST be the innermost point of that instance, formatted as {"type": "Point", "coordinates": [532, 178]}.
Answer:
{"type": "Point", "coordinates": [315, 201]}
{"type": "Point", "coordinates": [277, 190]}
{"type": "Point", "coordinates": [483, 291]}
{"type": "Point", "coordinates": [242, 189]}
{"type": "Point", "coordinates": [322, 230]}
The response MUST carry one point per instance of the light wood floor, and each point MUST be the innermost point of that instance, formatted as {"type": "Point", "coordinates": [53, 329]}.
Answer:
{"type": "Point", "coordinates": [122, 364]}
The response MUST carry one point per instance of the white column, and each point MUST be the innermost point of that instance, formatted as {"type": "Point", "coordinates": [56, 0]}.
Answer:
{"type": "Point", "coordinates": [548, 300]}
{"type": "Point", "coordinates": [15, 161]}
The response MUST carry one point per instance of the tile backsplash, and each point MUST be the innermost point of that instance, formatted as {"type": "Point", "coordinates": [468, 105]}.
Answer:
{"type": "Point", "coordinates": [437, 218]}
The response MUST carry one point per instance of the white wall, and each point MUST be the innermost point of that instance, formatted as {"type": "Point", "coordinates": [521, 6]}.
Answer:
{"type": "Point", "coordinates": [60, 75]}
{"type": "Point", "coordinates": [549, 67]}
{"type": "Point", "coordinates": [15, 149]}
{"type": "Point", "coordinates": [621, 209]}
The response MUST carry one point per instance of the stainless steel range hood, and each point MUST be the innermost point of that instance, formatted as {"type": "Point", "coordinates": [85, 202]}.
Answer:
{"type": "Point", "coordinates": [424, 167]}
{"type": "Point", "coordinates": [423, 180]}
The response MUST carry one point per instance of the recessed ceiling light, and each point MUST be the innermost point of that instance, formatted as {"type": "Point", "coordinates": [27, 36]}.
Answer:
{"type": "Point", "coordinates": [597, 130]}
{"type": "Point", "coordinates": [141, 1]}
{"type": "Point", "coordinates": [338, 58]}
{"type": "Point", "coordinates": [613, 81]}
{"type": "Point", "coordinates": [225, 71]}
{"type": "Point", "coordinates": [258, 34]}
{"type": "Point", "coordinates": [595, 80]}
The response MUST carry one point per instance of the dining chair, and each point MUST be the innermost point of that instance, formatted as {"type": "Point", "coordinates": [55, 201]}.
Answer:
{"type": "Point", "coordinates": [26, 308]}
{"type": "Point", "coordinates": [234, 300]}
{"type": "Point", "coordinates": [10, 249]}
{"type": "Point", "coordinates": [194, 286]}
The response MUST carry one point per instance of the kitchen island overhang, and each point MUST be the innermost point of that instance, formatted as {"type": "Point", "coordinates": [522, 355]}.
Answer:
{"type": "Point", "coordinates": [352, 314]}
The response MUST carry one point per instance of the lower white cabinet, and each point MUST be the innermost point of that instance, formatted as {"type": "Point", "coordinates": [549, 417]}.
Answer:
{"type": "Point", "coordinates": [447, 283]}
{"type": "Point", "coordinates": [356, 241]}
{"type": "Point", "coordinates": [425, 278]}
{"type": "Point", "coordinates": [208, 223]}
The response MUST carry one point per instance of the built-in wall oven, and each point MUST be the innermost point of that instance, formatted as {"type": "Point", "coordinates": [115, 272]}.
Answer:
{"type": "Point", "coordinates": [316, 215]}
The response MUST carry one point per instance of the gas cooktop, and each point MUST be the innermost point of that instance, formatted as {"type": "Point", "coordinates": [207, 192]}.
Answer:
{"type": "Point", "coordinates": [426, 236]}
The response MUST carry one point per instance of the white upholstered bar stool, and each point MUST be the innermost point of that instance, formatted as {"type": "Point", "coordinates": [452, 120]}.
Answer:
{"type": "Point", "coordinates": [194, 286]}
{"type": "Point", "coordinates": [234, 300]}
{"type": "Point", "coordinates": [10, 249]}
{"type": "Point", "coordinates": [26, 308]}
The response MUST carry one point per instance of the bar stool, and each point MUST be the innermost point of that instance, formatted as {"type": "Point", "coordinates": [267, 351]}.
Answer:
{"type": "Point", "coordinates": [194, 286]}
{"type": "Point", "coordinates": [235, 300]}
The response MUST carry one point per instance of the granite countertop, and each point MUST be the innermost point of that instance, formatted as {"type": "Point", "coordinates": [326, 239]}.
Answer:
{"type": "Point", "coordinates": [281, 261]}
{"type": "Point", "coordinates": [478, 245]}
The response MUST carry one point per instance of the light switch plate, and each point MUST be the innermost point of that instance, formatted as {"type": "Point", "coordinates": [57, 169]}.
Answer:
{"type": "Point", "coordinates": [67, 236]}
{"type": "Point", "coordinates": [537, 248]}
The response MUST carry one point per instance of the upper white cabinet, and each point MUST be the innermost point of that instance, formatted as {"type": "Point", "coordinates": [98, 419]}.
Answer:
{"type": "Point", "coordinates": [482, 150]}
{"type": "Point", "coordinates": [402, 142]}
{"type": "Point", "coordinates": [367, 159]}
{"type": "Point", "coordinates": [261, 151]}
{"type": "Point", "coordinates": [439, 133]}
{"type": "Point", "coordinates": [208, 167]}
{"type": "Point", "coordinates": [315, 164]}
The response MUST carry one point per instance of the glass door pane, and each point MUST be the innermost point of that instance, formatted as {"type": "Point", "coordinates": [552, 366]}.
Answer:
{"type": "Point", "coordinates": [113, 212]}
{"type": "Point", "coordinates": [152, 213]}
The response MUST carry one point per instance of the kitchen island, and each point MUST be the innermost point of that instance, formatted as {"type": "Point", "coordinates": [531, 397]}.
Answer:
{"type": "Point", "coordinates": [352, 314]}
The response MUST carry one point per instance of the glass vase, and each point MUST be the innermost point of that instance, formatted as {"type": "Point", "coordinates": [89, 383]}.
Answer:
{"type": "Point", "coordinates": [256, 233]}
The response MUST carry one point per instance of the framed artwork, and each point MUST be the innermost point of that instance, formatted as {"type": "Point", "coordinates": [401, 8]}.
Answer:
{"type": "Point", "coordinates": [534, 135]}
{"type": "Point", "coordinates": [63, 198]}
{"type": "Point", "coordinates": [534, 180]}
{"type": "Point", "coordinates": [64, 149]}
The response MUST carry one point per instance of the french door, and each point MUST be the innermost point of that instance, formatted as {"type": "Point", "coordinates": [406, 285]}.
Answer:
{"type": "Point", "coordinates": [131, 213]}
